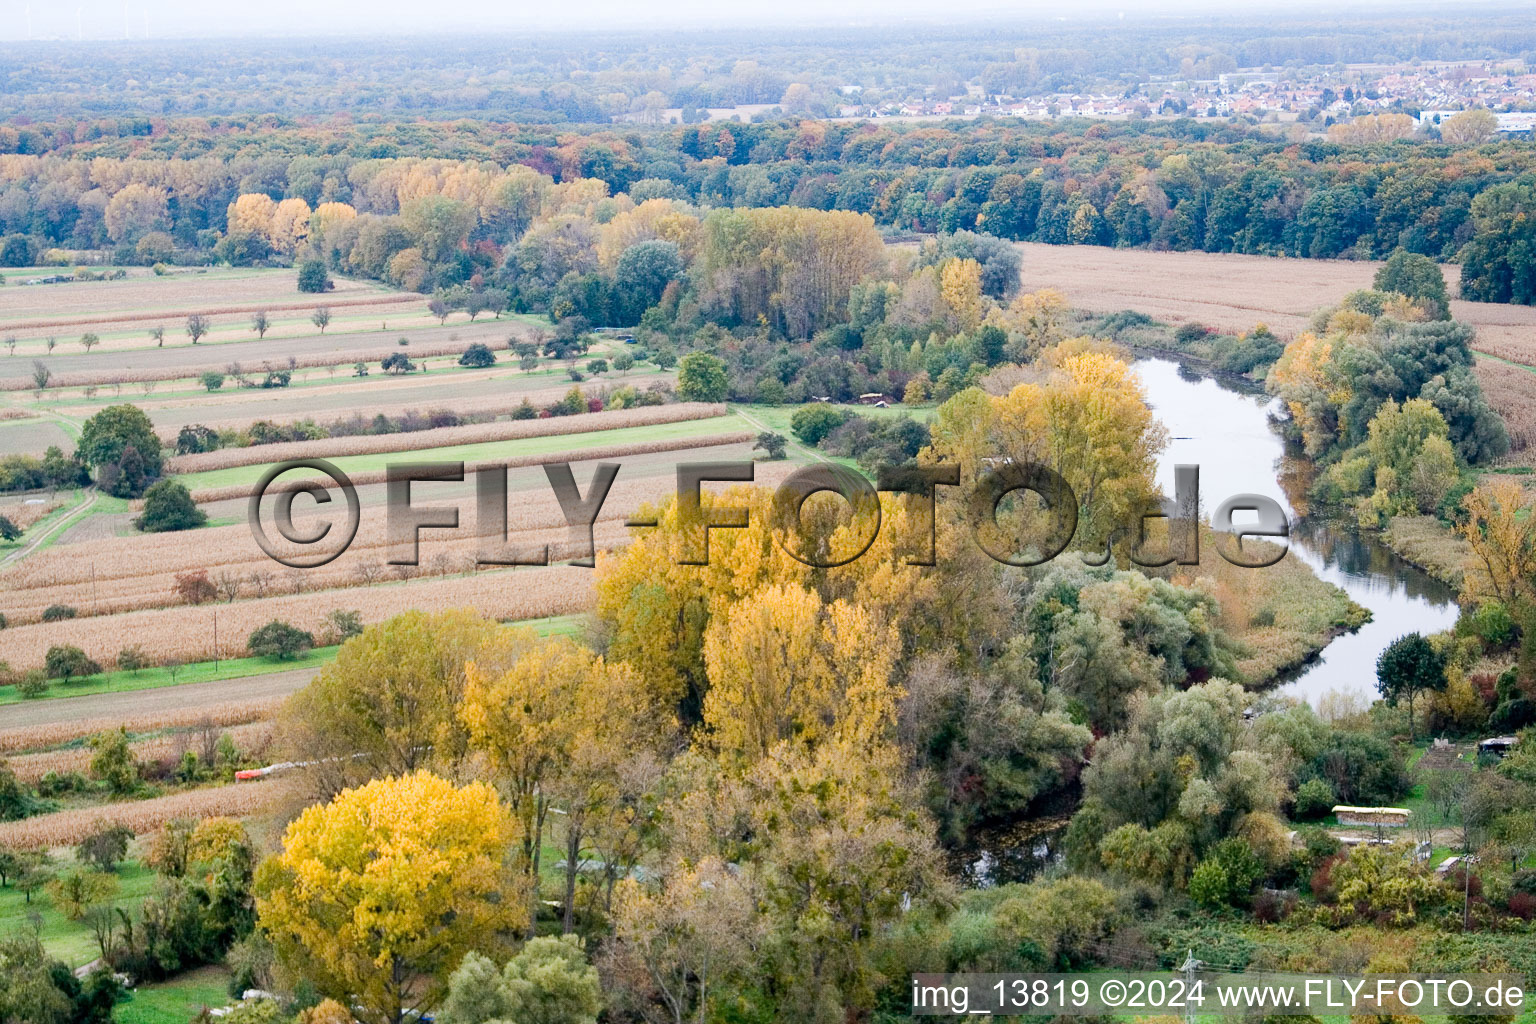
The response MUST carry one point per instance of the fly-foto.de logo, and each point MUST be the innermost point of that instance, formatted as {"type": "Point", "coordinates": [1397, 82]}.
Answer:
{"type": "Point", "coordinates": [1054, 515]}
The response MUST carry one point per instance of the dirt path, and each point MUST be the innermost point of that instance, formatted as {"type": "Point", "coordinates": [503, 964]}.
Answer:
{"type": "Point", "coordinates": [64, 522]}
{"type": "Point", "coordinates": [145, 702]}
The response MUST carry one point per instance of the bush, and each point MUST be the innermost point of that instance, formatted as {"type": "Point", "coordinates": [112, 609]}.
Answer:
{"type": "Point", "coordinates": [32, 684]}
{"type": "Point", "coordinates": [212, 380]}
{"type": "Point", "coordinates": [811, 423]}
{"type": "Point", "coordinates": [58, 613]}
{"type": "Point", "coordinates": [1492, 624]}
{"type": "Point", "coordinates": [133, 659]}
{"type": "Point", "coordinates": [525, 411]}
{"type": "Point", "coordinates": [477, 356]}
{"type": "Point", "coordinates": [167, 507]}
{"type": "Point", "coordinates": [1314, 799]}
{"type": "Point", "coordinates": [597, 366]}
{"type": "Point", "coordinates": [279, 640]}
{"type": "Point", "coordinates": [8, 529]}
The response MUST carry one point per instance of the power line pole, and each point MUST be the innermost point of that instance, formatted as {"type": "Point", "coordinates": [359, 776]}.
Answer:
{"type": "Point", "coordinates": [1189, 967]}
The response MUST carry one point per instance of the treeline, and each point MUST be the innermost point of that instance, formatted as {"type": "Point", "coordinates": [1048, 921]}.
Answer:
{"type": "Point", "coordinates": [191, 192]}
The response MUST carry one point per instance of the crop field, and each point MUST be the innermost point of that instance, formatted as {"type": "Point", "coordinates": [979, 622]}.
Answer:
{"type": "Point", "coordinates": [252, 739]}
{"type": "Point", "coordinates": [43, 725]}
{"type": "Point", "coordinates": [444, 437]}
{"type": "Point", "coordinates": [1233, 293]}
{"type": "Point", "coordinates": [122, 312]}
{"type": "Point", "coordinates": [66, 828]}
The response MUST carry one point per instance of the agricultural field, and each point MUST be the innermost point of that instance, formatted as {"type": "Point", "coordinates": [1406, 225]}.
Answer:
{"type": "Point", "coordinates": [1233, 293]}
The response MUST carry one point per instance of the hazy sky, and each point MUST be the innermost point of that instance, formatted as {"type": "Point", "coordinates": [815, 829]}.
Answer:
{"type": "Point", "coordinates": [117, 19]}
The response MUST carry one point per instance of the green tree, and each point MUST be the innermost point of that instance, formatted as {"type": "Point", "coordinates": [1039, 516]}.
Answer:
{"type": "Point", "coordinates": [104, 848]}
{"type": "Point", "coordinates": [1417, 277]}
{"type": "Point", "coordinates": [771, 443]}
{"type": "Point", "coordinates": [167, 507]}
{"type": "Point", "coordinates": [8, 529]}
{"type": "Point", "coordinates": [107, 437]}
{"type": "Point", "coordinates": [312, 276]}
{"type": "Point", "coordinates": [1409, 666]}
{"type": "Point", "coordinates": [112, 761]}
{"type": "Point", "coordinates": [548, 982]}
{"type": "Point", "coordinates": [701, 378]}
{"type": "Point", "coordinates": [279, 640]}
{"type": "Point", "coordinates": [477, 356]}
{"type": "Point", "coordinates": [66, 662]}
{"type": "Point", "coordinates": [212, 380]}
{"type": "Point", "coordinates": [76, 893]}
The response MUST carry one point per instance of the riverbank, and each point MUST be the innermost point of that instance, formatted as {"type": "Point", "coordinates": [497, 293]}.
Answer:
{"type": "Point", "coordinates": [1430, 546]}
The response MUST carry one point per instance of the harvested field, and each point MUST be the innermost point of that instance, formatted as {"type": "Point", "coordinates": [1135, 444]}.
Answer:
{"type": "Point", "coordinates": [336, 447]}
{"type": "Point", "coordinates": [323, 351]}
{"type": "Point", "coordinates": [466, 392]}
{"type": "Point", "coordinates": [583, 452]}
{"type": "Point", "coordinates": [252, 739]}
{"type": "Point", "coordinates": [144, 294]}
{"type": "Point", "coordinates": [1512, 391]}
{"type": "Point", "coordinates": [41, 725]}
{"type": "Point", "coordinates": [187, 633]}
{"type": "Point", "coordinates": [115, 574]}
{"type": "Point", "coordinates": [1233, 292]}
{"type": "Point", "coordinates": [28, 510]}
{"type": "Point", "coordinates": [33, 436]}
{"type": "Point", "coordinates": [66, 828]}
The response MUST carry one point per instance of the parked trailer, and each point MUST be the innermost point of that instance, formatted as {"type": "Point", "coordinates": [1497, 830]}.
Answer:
{"type": "Point", "coordinates": [1390, 817]}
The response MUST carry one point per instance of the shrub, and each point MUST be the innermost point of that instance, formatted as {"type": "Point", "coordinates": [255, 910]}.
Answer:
{"type": "Point", "coordinates": [1492, 624]}
{"type": "Point", "coordinates": [279, 640]}
{"type": "Point", "coordinates": [58, 613]}
{"type": "Point", "coordinates": [8, 529]}
{"type": "Point", "coordinates": [32, 684]}
{"type": "Point", "coordinates": [478, 356]}
{"type": "Point", "coordinates": [168, 506]}
{"type": "Point", "coordinates": [341, 624]}
{"type": "Point", "coordinates": [133, 659]}
{"type": "Point", "coordinates": [812, 423]}
{"type": "Point", "coordinates": [597, 366]}
{"type": "Point", "coordinates": [525, 411]}
{"type": "Point", "coordinates": [1314, 799]}
{"type": "Point", "coordinates": [212, 380]}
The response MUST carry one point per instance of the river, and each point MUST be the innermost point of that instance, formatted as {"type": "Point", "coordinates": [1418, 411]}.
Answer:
{"type": "Point", "coordinates": [1223, 426]}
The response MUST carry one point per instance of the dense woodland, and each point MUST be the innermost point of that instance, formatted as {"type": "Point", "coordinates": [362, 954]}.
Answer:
{"type": "Point", "coordinates": [458, 198]}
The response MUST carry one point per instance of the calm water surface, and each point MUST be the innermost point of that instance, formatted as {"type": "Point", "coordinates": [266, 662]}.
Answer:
{"type": "Point", "coordinates": [1223, 426]}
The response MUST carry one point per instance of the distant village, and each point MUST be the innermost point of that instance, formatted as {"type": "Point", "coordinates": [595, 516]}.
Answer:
{"type": "Point", "coordinates": [1318, 97]}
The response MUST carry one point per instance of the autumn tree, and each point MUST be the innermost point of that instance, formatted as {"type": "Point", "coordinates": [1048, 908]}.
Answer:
{"type": "Point", "coordinates": [538, 716]}
{"type": "Point", "coordinates": [392, 695]}
{"type": "Point", "coordinates": [378, 895]}
{"type": "Point", "coordinates": [1501, 529]}
{"type": "Point", "coordinates": [197, 326]}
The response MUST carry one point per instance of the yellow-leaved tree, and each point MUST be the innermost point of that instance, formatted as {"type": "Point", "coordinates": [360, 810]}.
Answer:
{"type": "Point", "coordinates": [560, 720]}
{"type": "Point", "coordinates": [783, 665]}
{"type": "Point", "coordinates": [388, 704]}
{"type": "Point", "coordinates": [655, 611]}
{"type": "Point", "coordinates": [378, 895]}
{"type": "Point", "coordinates": [1087, 419]}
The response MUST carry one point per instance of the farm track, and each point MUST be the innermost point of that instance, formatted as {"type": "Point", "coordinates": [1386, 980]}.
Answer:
{"type": "Point", "coordinates": [163, 700]}
{"type": "Point", "coordinates": [67, 520]}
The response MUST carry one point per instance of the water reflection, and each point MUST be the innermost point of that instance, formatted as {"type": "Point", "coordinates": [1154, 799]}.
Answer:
{"type": "Point", "coordinates": [1015, 854]}
{"type": "Point", "coordinates": [1224, 427]}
